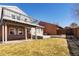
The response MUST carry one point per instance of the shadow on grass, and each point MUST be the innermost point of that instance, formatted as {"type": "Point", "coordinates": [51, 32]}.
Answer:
{"type": "Point", "coordinates": [68, 38]}
{"type": "Point", "coordinates": [72, 45]}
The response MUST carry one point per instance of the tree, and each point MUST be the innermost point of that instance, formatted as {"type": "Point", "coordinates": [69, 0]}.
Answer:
{"type": "Point", "coordinates": [73, 25]}
{"type": "Point", "coordinates": [76, 11]}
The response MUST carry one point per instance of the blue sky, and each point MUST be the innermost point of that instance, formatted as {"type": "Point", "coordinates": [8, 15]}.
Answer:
{"type": "Point", "coordinates": [58, 13]}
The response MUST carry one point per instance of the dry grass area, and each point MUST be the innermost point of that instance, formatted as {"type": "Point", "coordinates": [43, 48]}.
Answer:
{"type": "Point", "coordinates": [45, 47]}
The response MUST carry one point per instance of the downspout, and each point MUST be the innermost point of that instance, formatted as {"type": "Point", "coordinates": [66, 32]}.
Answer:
{"type": "Point", "coordinates": [1, 17]}
{"type": "Point", "coordinates": [1, 23]}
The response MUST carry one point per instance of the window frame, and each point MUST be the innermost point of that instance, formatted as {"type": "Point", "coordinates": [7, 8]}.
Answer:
{"type": "Point", "coordinates": [14, 29]}
{"type": "Point", "coordinates": [20, 29]}
{"type": "Point", "coordinates": [13, 16]}
{"type": "Point", "coordinates": [18, 17]}
{"type": "Point", "coordinates": [25, 19]}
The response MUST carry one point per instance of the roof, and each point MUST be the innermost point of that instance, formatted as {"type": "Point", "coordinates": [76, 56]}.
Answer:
{"type": "Point", "coordinates": [18, 10]}
{"type": "Point", "coordinates": [32, 24]}
{"type": "Point", "coordinates": [41, 22]}
{"type": "Point", "coordinates": [14, 8]}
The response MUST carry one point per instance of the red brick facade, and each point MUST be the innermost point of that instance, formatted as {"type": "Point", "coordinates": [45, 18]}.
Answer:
{"type": "Point", "coordinates": [51, 29]}
{"type": "Point", "coordinates": [76, 32]}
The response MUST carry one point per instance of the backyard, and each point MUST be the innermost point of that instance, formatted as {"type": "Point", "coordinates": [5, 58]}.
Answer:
{"type": "Point", "coordinates": [45, 47]}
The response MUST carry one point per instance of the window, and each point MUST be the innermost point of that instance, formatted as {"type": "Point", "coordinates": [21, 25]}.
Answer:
{"type": "Point", "coordinates": [20, 31]}
{"type": "Point", "coordinates": [29, 30]}
{"type": "Point", "coordinates": [12, 31]}
{"type": "Point", "coordinates": [13, 16]}
{"type": "Point", "coordinates": [25, 19]}
{"type": "Point", "coordinates": [38, 30]}
{"type": "Point", "coordinates": [18, 17]}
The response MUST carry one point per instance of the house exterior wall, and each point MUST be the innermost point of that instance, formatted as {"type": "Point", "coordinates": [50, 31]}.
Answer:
{"type": "Point", "coordinates": [76, 32]}
{"type": "Point", "coordinates": [69, 31]}
{"type": "Point", "coordinates": [16, 35]}
{"type": "Point", "coordinates": [51, 29]}
{"type": "Point", "coordinates": [48, 28]}
{"type": "Point", "coordinates": [73, 31]}
{"type": "Point", "coordinates": [15, 20]}
{"type": "Point", "coordinates": [0, 12]}
{"type": "Point", "coordinates": [15, 27]}
{"type": "Point", "coordinates": [60, 31]}
{"type": "Point", "coordinates": [39, 31]}
{"type": "Point", "coordinates": [7, 14]}
{"type": "Point", "coordinates": [0, 33]}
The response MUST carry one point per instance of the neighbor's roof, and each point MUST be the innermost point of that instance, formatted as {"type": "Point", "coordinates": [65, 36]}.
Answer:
{"type": "Point", "coordinates": [14, 8]}
{"type": "Point", "coordinates": [45, 23]}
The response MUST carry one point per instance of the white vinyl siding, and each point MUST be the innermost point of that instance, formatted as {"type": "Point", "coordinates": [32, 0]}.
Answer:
{"type": "Point", "coordinates": [39, 31]}
{"type": "Point", "coordinates": [13, 16]}
{"type": "Point", "coordinates": [0, 12]}
{"type": "Point", "coordinates": [19, 17]}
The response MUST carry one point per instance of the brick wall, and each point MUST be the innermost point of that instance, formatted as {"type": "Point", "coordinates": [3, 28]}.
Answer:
{"type": "Point", "coordinates": [50, 29]}
{"type": "Point", "coordinates": [76, 32]}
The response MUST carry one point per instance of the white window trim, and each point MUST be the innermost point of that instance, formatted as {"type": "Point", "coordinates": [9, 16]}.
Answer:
{"type": "Point", "coordinates": [14, 16]}
{"type": "Point", "coordinates": [14, 31]}
{"type": "Point", "coordinates": [19, 30]}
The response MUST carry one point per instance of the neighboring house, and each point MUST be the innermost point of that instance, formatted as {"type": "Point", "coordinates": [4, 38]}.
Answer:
{"type": "Point", "coordinates": [76, 32]}
{"type": "Point", "coordinates": [72, 31]}
{"type": "Point", "coordinates": [17, 25]}
{"type": "Point", "coordinates": [51, 29]}
{"type": "Point", "coordinates": [68, 31]}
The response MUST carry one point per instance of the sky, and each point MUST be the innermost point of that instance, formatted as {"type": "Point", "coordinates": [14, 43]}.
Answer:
{"type": "Point", "coordinates": [56, 13]}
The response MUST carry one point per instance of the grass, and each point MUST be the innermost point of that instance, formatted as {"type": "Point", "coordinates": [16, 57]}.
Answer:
{"type": "Point", "coordinates": [47, 47]}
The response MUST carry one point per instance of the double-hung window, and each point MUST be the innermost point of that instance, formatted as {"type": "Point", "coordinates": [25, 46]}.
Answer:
{"type": "Point", "coordinates": [13, 16]}
{"type": "Point", "coordinates": [18, 17]}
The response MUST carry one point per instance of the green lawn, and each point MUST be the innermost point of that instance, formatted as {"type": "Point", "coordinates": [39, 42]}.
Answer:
{"type": "Point", "coordinates": [47, 47]}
